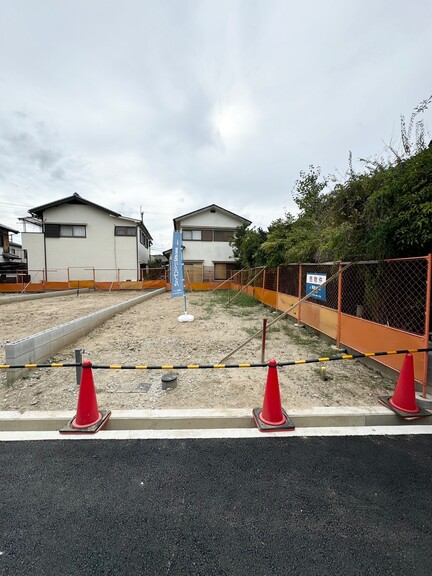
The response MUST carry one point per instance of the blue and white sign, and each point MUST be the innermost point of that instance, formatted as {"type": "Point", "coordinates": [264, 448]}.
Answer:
{"type": "Point", "coordinates": [177, 287]}
{"type": "Point", "coordinates": [315, 281]}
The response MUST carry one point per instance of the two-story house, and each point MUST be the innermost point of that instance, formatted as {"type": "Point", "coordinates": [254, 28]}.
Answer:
{"type": "Point", "coordinates": [11, 254]}
{"type": "Point", "coordinates": [75, 234]}
{"type": "Point", "coordinates": [206, 233]}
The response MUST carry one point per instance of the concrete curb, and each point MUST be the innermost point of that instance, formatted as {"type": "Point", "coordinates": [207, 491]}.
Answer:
{"type": "Point", "coordinates": [43, 345]}
{"type": "Point", "coordinates": [22, 297]}
{"type": "Point", "coordinates": [209, 419]}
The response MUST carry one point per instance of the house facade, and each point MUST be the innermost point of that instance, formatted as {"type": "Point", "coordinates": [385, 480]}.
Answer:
{"type": "Point", "coordinates": [12, 256]}
{"type": "Point", "coordinates": [206, 233]}
{"type": "Point", "coordinates": [86, 240]}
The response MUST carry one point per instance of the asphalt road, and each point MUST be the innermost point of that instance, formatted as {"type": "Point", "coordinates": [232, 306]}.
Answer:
{"type": "Point", "coordinates": [300, 506]}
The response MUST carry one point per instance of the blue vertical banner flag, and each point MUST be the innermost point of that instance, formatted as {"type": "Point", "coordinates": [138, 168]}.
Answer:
{"type": "Point", "coordinates": [177, 287]}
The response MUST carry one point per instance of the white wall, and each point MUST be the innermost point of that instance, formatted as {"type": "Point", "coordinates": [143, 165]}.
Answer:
{"type": "Point", "coordinates": [33, 242]}
{"type": "Point", "coordinates": [208, 252]}
{"type": "Point", "coordinates": [143, 252]}
{"type": "Point", "coordinates": [211, 220]}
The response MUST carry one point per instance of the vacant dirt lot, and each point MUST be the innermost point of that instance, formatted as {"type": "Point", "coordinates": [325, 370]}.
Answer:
{"type": "Point", "coordinates": [150, 334]}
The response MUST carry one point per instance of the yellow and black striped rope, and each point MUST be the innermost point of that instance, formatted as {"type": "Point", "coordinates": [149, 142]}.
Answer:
{"type": "Point", "coordinates": [52, 365]}
{"type": "Point", "coordinates": [218, 366]}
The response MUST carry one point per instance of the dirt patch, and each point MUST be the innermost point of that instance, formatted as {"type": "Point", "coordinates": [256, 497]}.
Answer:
{"type": "Point", "coordinates": [22, 319]}
{"type": "Point", "coordinates": [149, 334]}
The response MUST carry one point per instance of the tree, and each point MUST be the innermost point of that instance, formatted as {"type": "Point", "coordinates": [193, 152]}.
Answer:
{"type": "Point", "coordinates": [304, 238]}
{"type": "Point", "coordinates": [399, 211]}
{"type": "Point", "coordinates": [278, 240]}
{"type": "Point", "coordinates": [246, 244]}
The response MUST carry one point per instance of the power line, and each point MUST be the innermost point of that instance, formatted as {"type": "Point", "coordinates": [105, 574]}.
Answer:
{"type": "Point", "coordinates": [9, 204]}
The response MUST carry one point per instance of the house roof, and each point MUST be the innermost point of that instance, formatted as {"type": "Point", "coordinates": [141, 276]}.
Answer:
{"type": "Point", "coordinates": [216, 207]}
{"type": "Point", "coordinates": [74, 199]}
{"type": "Point", "coordinates": [9, 229]}
{"type": "Point", "coordinates": [77, 199]}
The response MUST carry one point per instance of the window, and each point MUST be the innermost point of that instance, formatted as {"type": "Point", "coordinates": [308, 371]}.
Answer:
{"type": "Point", "coordinates": [125, 230]}
{"type": "Point", "coordinates": [143, 239]}
{"type": "Point", "coordinates": [223, 235]}
{"type": "Point", "coordinates": [52, 230]}
{"type": "Point", "coordinates": [72, 231]}
{"type": "Point", "coordinates": [192, 235]}
{"type": "Point", "coordinates": [65, 230]}
{"type": "Point", "coordinates": [207, 235]}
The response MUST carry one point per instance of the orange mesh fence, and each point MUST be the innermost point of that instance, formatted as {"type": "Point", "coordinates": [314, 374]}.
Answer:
{"type": "Point", "coordinates": [391, 292]}
{"type": "Point", "coordinates": [271, 280]}
{"type": "Point", "coordinates": [312, 274]}
{"type": "Point", "coordinates": [258, 282]}
{"type": "Point", "coordinates": [289, 279]}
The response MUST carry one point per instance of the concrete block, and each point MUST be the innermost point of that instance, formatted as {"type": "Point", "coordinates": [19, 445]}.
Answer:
{"type": "Point", "coordinates": [40, 347]}
{"type": "Point", "coordinates": [23, 297]}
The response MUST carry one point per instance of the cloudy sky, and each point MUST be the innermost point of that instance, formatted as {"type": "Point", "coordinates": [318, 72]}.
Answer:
{"type": "Point", "coordinates": [176, 104]}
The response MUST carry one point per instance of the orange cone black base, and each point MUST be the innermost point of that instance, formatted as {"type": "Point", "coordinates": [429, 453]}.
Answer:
{"type": "Point", "coordinates": [287, 425]}
{"type": "Point", "coordinates": [403, 402]}
{"type": "Point", "coordinates": [70, 427]}
{"type": "Point", "coordinates": [272, 416]}
{"type": "Point", "coordinates": [89, 418]}
{"type": "Point", "coordinates": [421, 413]}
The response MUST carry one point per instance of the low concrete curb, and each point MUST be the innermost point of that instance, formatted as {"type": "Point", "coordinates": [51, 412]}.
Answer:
{"type": "Point", "coordinates": [129, 420]}
{"type": "Point", "coordinates": [22, 297]}
{"type": "Point", "coordinates": [39, 347]}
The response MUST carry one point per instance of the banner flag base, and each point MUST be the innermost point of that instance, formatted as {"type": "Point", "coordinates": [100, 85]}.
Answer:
{"type": "Point", "coordinates": [186, 318]}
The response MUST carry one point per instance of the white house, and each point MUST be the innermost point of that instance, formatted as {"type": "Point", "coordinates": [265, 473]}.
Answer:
{"type": "Point", "coordinates": [78, 236]}
{"type": "Point", "coordinates": [206, 233]}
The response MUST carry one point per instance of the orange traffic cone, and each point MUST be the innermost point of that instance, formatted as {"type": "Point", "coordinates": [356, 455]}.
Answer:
{"type": "Point", "coordinates": [88, 417]}
{"type": "Point", "coordinates": [272, 416]}
{"type": "Point", "coordinates": [403, 402]}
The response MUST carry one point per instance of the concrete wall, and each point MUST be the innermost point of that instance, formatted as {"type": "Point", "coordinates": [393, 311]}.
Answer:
{"type": "Point", "coordinates": [22, 297]}
{"type": "Point", "coordinates": [42, 346]}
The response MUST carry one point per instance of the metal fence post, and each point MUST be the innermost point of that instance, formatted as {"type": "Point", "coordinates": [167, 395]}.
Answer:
{"type": "Point", "coordinates": [263, 342]}
{"type": "Point", "coordinates": [339, 308]}
{"type": "Point", "coordinates": [300, 272]}
{"type": "Point", "coordinates": [78, 360]}
{"type": "Point", "coordinates": [427, 322]}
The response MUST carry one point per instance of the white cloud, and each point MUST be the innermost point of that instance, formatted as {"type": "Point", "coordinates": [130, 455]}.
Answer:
{"type": "Point", "coordinates": [235, 119]}
{"type": "Point", "coordinates": [173, 106]}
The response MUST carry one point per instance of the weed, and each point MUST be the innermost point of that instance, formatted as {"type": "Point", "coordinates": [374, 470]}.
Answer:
{"type": "Point", "coordinates": [235, 299]}
{"type": "Point", "coordinates": [302, 338]}
{"type": "Point", "coordinates": [250, 331]}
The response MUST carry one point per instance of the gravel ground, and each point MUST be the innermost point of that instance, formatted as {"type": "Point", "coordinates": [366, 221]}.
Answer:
{"type": "Point", "coordinates": [150, 334]}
